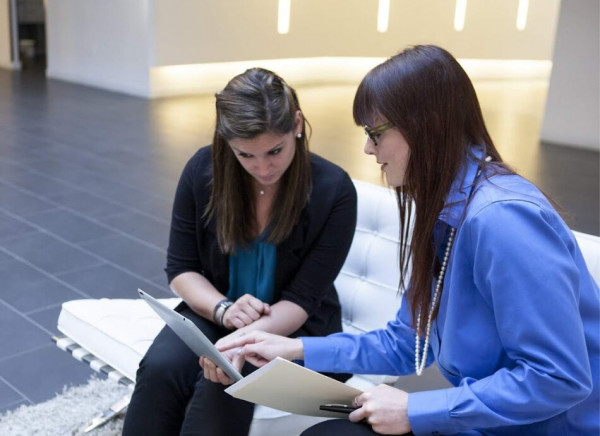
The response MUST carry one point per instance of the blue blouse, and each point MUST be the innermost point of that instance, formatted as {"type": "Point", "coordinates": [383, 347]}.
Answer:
{"type": "Point", "coordinates": [517, 332]}
{"type": "Point", "coordinates": [252, 271]}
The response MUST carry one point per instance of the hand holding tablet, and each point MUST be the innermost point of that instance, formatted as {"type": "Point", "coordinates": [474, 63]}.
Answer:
{"type": "Point", "coordinates": [191, 335]}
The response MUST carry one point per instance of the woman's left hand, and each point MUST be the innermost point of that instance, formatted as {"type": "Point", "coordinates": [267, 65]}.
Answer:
{"type": "Point", "coordinates": [384, 408]}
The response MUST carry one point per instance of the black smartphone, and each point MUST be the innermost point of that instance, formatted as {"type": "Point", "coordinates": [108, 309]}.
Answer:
{"type": "Point", "coordinates": [341, 408]}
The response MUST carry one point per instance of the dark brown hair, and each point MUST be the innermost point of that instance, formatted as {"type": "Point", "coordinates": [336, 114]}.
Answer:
{"type": "Point", "coordinates": [424, 92]}
{"type": "Point", "coordinates": [255, 102]}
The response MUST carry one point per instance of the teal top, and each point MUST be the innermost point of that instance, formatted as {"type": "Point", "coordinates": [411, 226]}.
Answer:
{"type": "Point", "coordinates": [252, 271]}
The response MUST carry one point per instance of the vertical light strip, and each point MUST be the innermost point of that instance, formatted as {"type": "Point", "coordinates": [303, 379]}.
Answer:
{"type": "Point", "coordinates": [283, 17]}
{"type": "Point", "coordinates": [14, 32]}
{"type": "Point", "coordinates": [383, 16]}
{"type": "Point", "coordinates": [459, 15]}
{"type": "Point", "coordinates": [522, 12]}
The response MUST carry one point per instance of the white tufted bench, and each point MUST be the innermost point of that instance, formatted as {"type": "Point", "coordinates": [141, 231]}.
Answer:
{"type": "Point", "coordinates": [113, 335]}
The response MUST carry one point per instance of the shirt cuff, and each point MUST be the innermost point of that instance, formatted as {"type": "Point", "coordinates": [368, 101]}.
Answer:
{"type": "Point", "coordinates": [428, 413]}
{"type": "Point", "coordinates": [316, 353]}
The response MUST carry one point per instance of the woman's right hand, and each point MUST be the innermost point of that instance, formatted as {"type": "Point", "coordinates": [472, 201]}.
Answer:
{"type": "Point", "coordinates": [245, 311]}
{"type": "Point", "coordinates": [259, 348]}
{"type": "Point", "coordinates": [215, 374]}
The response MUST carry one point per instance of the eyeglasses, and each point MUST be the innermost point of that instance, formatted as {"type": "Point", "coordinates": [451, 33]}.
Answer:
{"type": "Point", "coordinates": [375, 132]}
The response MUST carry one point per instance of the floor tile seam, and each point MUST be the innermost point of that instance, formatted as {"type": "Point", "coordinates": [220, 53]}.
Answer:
{"type": "Point", "coordinates": [101, 261]}
{"type": "Point", "coordinates": [18, 235]}
{"type": "Point", "coordinates": [23, 315]}
{"type": "Point", "coordinates": [13, 405]}
{"type": "Point", "coordinates": [80, 215]}
{"type": "Point", "coordinates": [26, 220]}
{"type": "Point", "coordinates": [49, 275]}
{"type": "Point", "coordinates": [77, 188]}
{"type": "Point", "coordinates": [124, 214]}
{"type": "Point", "coordinates": [49, 346]}
{"type": "Point", "coordinates": [57, 276]}
{"type": "Point", "coordinates": [73, 166]}
{"type": "Point", "coordinates": [52, 234]}
{"type": "Point", "coordinates": [17, 390]}
{"type": "Point", "coordinates": [42, 309]}
{"type": "Point", "coordinates": [59, 206]}
{"type": "Point", "coordinates": [32, 321]}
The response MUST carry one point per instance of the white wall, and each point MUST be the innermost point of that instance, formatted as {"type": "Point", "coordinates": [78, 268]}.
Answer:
{"type": "Point", "coordinates": [191, 31]}
{"type": "Point", "coordinates": [198, 45]}
{"type": "Point", "coordinates": [5, 60]}
{"type": "Point", "coordinates": [165, 47]}
{"type": "Point", "coordinates": [573, 104]}
{"type": "Point", "coordinates": [103, 43]}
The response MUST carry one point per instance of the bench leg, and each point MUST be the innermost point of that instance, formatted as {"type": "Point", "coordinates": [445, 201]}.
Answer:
{"type": "Point", "coordinates": [112, 412]}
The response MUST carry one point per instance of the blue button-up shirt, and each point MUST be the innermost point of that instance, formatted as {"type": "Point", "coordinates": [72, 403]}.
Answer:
{"type": "Point", "coordinates": [518, 328]}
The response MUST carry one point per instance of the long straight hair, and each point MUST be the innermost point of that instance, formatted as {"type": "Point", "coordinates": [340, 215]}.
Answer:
{"type": "Point", "coordinates": [424, 92]}
{"type": "Point", "coordinates": [255, 102]}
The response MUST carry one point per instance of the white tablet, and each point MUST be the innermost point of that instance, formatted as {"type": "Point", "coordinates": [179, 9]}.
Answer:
{"type": "Point", "coordinates": [191, 335]}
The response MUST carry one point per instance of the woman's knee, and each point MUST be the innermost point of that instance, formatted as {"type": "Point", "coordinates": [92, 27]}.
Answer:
{"type": "Point", "coordinates": [168, 359]}
{"type": "Point", "coordinates": [339, 427]}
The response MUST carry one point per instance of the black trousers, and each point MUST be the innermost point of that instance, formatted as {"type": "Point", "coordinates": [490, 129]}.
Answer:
{"type": "Point", "coordinates": [172, 397]}
{"type": "Point", "coordinates": [341, 427]}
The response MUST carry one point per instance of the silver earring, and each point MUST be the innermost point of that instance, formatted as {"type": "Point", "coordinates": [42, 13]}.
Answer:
{"type": "Point", "coordinates": [299, 135]}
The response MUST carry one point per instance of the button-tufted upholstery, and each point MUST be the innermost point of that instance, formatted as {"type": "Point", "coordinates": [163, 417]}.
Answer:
{"type": "Point", "coordinates": [368, 283]}
{"type": "Point", "coordinates": [590, 247]}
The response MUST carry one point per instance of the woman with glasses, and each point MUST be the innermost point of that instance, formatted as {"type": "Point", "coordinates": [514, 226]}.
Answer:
{"type": "Point", "coordinates": [498, 293]}
{"type": "Point", "coordinates": [260, 230]}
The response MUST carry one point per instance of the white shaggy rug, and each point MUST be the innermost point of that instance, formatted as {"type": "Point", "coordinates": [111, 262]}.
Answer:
{"type": "Point", "coordinates": [68, 413]}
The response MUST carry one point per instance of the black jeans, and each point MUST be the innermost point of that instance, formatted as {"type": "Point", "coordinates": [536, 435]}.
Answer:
{"type": "Point", "coordinates": [172, 397]}
{"type": "Point", "coordinates": [341, 427]}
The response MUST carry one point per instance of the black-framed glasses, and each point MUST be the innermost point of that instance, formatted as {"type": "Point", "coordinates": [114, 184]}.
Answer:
{"type": "Point", "coordinates": [375, 132]}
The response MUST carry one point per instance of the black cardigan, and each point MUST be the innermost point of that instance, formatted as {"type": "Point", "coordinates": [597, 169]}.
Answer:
{"type": "Point", "coordinates": [308, 261]}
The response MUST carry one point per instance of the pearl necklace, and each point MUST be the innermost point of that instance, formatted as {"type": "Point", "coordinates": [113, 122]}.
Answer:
{"type": "Point", "coordinates": [420, 361]}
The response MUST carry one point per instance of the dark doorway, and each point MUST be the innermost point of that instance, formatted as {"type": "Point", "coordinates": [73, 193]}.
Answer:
{"type": "Point", "coordinates": [31, 31]}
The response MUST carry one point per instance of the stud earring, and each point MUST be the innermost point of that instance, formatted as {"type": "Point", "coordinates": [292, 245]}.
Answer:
{"type": "Point", "coordinates": [299, 135]}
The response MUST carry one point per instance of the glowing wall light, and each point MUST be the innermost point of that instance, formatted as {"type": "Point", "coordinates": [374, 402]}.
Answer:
{"type": "Point", "coordinates": [383, 16]}
{"type": "Point", "coordinates": [283, 16]}
{"type": "Point", "coordinates": [522, 11]}
{"type": "Point", "coordinates": [459, 15]}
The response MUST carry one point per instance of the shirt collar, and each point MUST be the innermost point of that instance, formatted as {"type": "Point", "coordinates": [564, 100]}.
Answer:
{"type": "Point", "coordinates": [461, 188]}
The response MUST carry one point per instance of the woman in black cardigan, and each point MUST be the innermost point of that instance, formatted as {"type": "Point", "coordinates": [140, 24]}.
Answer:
{"type": "Point", "coordinates": [260, 230]}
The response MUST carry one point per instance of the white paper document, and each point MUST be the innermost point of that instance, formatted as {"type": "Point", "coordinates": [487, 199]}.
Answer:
{"type": "Point", "coordinates": [286, 386]}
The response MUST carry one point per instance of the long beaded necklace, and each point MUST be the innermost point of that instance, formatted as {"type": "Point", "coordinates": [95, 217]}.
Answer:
{"type": "Point", "coordinates": [420, 361]}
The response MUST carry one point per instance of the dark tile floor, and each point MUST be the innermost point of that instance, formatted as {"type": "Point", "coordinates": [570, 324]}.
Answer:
{"type": "Point", "coordinates": [86, 185]}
